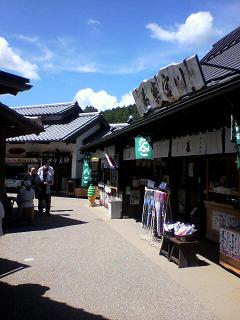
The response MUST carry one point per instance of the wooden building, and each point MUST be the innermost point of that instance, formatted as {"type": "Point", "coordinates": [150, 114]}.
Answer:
{"type": "Point", "coordinates": [192, 149]}
{"type": "Point", "coordinates": [12, 123]}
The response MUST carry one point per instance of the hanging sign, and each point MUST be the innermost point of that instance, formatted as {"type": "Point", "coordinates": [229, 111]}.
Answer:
{"type": "Point", "coordinates": [86, 174]}
{"type": "Point", "coordinates": [169, 85]}
{"type": "Point", "coordinates": [143, 148]}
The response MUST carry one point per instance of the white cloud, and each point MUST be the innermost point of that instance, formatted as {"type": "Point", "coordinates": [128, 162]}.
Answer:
{"type": "Point", "coordinates": [93, 22]}
{"type": "Point", "coordinates": [27, 38]}
{"type": "Point", "coordinates": [94, 25]}
{"type": "Point", "coordinates": [87, 68]}
{"type": "Point", "coordinates": [46, 56]}
{"type": "Point", "coordinates": [12, 61]}
{"type": "Point", "coordinates": [126, 100]}
{"type": "Point", "coordinates": [198, 28]}
{"type": "Point", "coordinates": [101, 99]}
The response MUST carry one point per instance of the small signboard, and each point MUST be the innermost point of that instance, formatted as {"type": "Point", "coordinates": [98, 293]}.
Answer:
{"type": "Point", "coordinates": [86, 174]}
{"type": "Point", "coordinates": [143, 148]}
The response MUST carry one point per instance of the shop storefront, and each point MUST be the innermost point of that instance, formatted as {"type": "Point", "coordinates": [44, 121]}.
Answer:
{"type": "Point", "coordinates": [66, 127]}
{"type": "Point", "coordinates": [193, 154]}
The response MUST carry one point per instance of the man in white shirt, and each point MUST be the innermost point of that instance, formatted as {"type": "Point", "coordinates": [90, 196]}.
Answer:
{"type": "Point", "coordinates": [46, 165]}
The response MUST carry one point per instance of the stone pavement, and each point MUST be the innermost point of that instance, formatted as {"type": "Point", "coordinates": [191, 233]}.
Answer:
{"type": "Point", "coordinates": [79, 264]}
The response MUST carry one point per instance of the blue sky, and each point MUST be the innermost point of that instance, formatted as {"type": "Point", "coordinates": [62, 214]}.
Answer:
{"type": "Point", "coordinates": [98, 51]}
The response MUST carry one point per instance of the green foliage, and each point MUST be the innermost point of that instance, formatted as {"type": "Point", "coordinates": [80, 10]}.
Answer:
{"type": "Point", "coordinates": [121, 114]}
{"type": "Point", "coordinates": [90, 109]}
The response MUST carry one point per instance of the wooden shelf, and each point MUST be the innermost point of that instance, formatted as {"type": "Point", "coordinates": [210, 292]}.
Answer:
{"type": "Point", "coordinates": [233, 193]}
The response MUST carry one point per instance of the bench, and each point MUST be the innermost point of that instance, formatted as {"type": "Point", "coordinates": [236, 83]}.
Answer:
{"type": "Point", "coordinates": [181, 252]}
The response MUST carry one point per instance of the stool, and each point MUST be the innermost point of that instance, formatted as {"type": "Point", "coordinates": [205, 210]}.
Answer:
{"type": "Point", "coordinates": [28, 214]}
{"type": "Point", "coordinates": [185, 252]}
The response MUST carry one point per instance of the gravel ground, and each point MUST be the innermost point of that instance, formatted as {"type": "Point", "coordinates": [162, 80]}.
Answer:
{"type": "Point", "coordinates": [73, 265]}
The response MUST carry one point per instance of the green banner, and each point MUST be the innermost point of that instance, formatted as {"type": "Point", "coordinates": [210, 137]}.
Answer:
{"type": "Point", "coordinates": [143, 148]}
{"type": "Point", "coordinates": [86, 174]}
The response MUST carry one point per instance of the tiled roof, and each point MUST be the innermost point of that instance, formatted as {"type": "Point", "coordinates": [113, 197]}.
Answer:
{"type": "Point", "coordinates": [60, 132]}
{"type": "Point", "coordinates": [223, 59]}
{"type": "Point", "coordinates": [12, 123]}
{"type": "Point", "coordinates": [11, 83]}
{"type": "Point", "coordinates": [115, 127]}
{"type": "Point", "coordinates": [44, 109]}
{"type": "Point", "coordinates": [105, 132]}
{"type": "Point", "coordinates": [223, 44]}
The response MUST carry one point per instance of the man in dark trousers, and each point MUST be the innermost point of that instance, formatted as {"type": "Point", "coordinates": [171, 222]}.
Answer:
{"type": "Point", "coordinates": [44, 189]}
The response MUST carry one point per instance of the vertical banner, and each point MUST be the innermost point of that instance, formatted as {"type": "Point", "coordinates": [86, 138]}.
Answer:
{"type": "Point", "coordinates": [86, 174]}
{"type": "Point", "coordinates": [143, 148]}
{"type": "Point", "coordinates": [235, 134]}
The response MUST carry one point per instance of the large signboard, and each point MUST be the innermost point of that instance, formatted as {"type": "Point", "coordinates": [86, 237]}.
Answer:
{"type": "Point", "coordinates": [170, 84]}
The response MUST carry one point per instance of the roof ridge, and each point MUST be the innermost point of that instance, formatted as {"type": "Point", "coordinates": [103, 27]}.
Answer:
{"type": "Point", "coordinates": [44, 105]}
{"type": "Point", "coordinates": [82, 114]}
{"type": "Point", "coordinates": [118, 124]}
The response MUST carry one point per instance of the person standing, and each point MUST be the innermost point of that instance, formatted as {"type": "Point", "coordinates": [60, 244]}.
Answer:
{"type": "Point", "coordinates": [44, 188]}
{"type": "Point", "coordinates": [46, 165]}
{"type": "Point", "coordinates": [32, 178]}
{"type": "Point", "coordinates": [25, 198]}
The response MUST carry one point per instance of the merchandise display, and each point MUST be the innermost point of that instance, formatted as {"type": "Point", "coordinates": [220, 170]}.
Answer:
{"type": "Point", "coordinates": [180, 228]}
{"type": "Point", "coordinates": [155, 209]}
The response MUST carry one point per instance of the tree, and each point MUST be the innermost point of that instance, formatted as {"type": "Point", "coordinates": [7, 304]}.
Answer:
{"type": "Point", "coordinates": [90, 109]}
{"type": "Point", "coordinates": [121, 114]}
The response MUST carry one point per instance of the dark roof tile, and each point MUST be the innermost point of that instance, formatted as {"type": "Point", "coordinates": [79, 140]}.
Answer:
{"type": "Point", "coordinates": [44, 109]}
{"type": "Point", "coordinates": [225, 54]}
{"type": "Point", "coordinates": [59, 132]}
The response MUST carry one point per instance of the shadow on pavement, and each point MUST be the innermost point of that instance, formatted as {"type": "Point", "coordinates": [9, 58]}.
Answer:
{"type": "Point", "coordinates": [44, 222]}
{"type": "Point", "coordinates": [8, 267]}
{"type": "Point", "coordinates": [209, 250]}
{"type": "Point", "coordinates": [26, 302]}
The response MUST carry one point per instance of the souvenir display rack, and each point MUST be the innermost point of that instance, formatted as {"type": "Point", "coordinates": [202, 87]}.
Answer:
{"type": "Point", "coordinates": [156, 206]}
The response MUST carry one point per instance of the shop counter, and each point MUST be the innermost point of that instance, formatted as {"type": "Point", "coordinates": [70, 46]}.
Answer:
{"type": "Point", "coordinates": [230, 249]}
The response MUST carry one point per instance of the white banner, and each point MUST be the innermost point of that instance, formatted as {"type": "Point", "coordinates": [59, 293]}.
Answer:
{"type": "Point", "coordinates": [161, 149]}
{"type": "Point", "coordinates": [129, 154]}
{"type": "Point", "coordinates": [203, 143]}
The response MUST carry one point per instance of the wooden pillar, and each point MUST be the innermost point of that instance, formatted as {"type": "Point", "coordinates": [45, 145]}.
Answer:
{"type": "Point", "coordinates": [2, 163]}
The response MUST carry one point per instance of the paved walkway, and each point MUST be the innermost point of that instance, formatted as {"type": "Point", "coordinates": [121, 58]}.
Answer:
{"type": "Point", "coordinates": [78, 264]}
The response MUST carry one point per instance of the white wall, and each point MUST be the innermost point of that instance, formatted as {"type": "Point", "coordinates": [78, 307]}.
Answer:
{"type": "Point", "coordinates": [77, 156]}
